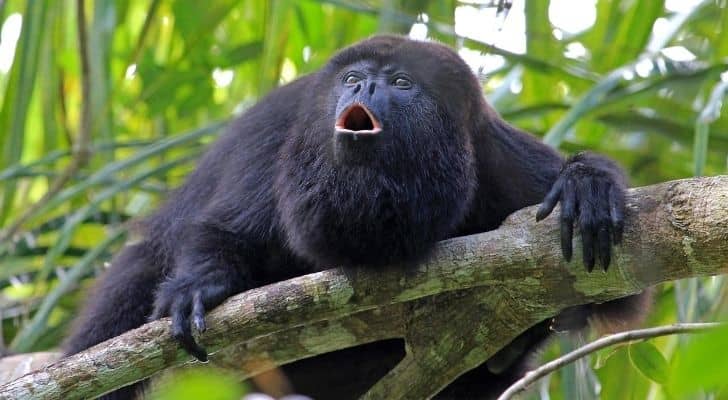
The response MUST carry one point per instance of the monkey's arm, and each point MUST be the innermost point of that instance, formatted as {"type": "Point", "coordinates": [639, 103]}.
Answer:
{"type": "Point", "coordinates": [212, 264]}
{"type": "Point", "coordinates": [517, 170]}
{"type": "Point", "coordinates": [218, 251]}
{"type": "Point", "coordinates": [223, 246]}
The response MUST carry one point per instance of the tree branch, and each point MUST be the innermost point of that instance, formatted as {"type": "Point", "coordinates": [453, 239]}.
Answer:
{"type": "Point", "coordinates": [622, 337]}
{"type": "Point", "coordinates": [512, 278]}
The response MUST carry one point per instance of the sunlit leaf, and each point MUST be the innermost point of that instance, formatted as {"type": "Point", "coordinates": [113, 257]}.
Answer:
{"type": "Point", "coordinates": [198, 384]}
{"type": "Point", "coordinates": [649, 361]}
{"type": "Point", "coordinates": [701, 364]}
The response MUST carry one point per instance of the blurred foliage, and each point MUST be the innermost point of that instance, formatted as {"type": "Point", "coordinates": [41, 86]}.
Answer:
{"type": "Point", "coordinates": [197, 383]}
{"type": "Point", "coordinates": [697, 368]}
{"type": "Point", "coordinates": [165, 75]}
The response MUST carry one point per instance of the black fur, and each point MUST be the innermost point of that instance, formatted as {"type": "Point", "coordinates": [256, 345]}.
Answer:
{"type": "Point", "coordinates": [284, 193]}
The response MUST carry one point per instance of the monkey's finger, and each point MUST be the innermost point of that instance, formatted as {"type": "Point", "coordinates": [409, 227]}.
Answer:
{"type": "Point", "coordinates": [207, 297]}
{"type": "Point", "coordinates": [587, 224]}
{"type": "Point", "coordinates": [568, 215]}
{"type": "Point", "coordinates": [616, 212]}
{"type": "Point", "coordinates": [587, 238]}
{"type": "Point", "coordinates": [182, 332]}
{"type": "Point", "coordinates": [605, 247]}
{"type": "Point", "coordinates": [549, 202]}
{"type": "Point", "coordinates": [604, 240]}
{"type": "Point", "coordinates": [198, 312]}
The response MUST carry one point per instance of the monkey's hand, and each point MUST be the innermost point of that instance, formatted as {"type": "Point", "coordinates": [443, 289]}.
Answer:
{"type": "Point", "coordinates": [591, 190]}
{"type": "Point", "coordinates": [185, 297]}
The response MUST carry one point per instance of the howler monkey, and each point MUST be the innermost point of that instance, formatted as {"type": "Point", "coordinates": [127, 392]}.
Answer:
{"type": "Point", "coordinates": [371, 160]}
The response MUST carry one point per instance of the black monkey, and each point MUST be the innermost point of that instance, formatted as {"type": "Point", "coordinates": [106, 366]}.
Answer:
{"type": "Point", "coordinates": [386, 150]}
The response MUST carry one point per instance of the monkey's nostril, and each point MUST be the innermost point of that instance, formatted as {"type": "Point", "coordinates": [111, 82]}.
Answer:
{"type": "Point", "coordinates": [371, 88]}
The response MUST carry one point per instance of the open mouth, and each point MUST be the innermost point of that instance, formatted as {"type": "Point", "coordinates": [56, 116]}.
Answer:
{"type": "Point", "coordinates": [357, 119]}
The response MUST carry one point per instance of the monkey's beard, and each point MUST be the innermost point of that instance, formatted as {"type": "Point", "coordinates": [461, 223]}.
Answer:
{"type": "Point", "coordinates": [392, 208]}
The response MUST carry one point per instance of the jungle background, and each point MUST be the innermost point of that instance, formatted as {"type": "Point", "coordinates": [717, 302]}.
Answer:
{"type": "Point", "coordinates": [105, 105]}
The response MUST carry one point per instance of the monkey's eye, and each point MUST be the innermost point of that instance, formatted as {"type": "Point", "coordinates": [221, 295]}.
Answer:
{"type": "Point", "coordinates": [352, 79]}
{"type": "Point", "coordinates": [402, 83]}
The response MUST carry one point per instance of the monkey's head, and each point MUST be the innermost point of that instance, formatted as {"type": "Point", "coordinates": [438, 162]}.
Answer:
{"type": "Point", "coordinates": [380, 165]}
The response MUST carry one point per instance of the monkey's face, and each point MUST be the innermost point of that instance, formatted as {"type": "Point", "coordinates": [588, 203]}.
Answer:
{"type": "Point", "coordinates": [381, 165]}
{"type": "Point", "coordinates": [364, 95]}
{"type": "Point", "coordinates": [382, 112]}
{"type": "Point", "coordinates": [370, 100]}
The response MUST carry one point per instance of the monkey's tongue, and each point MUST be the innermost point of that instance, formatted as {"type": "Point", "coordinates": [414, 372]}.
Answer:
{"type": "Point", "coordinates": [358, 119]}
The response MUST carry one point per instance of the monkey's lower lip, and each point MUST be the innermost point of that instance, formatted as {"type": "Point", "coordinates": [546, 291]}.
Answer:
{"type": "Point", "coordinates": [357, 120]}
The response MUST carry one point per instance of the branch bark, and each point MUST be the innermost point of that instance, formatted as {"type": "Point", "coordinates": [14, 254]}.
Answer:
{"type": "Point", "coordinates": [473, 296]}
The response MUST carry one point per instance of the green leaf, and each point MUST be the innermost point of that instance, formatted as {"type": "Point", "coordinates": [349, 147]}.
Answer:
{"type": "Point", "coordinates": [701, 365]}
{"type": "Point", "coordinates": [710, 113]}
{"type": "Point", "coordinates": [634, 27]}
{"type": "Point", "coordinates": [108, 171]}
{"type": "Point", "coordinates": [19, 92]}
{"type": "Point", "coordinates": [193, 17]}
{"type": "Point", "coordinates": [276, 35]}
{"type": "Point", "coordinates": [586, 103]}
{"type": "Point", "coordinates": [77, 218]}
{"type": "Point", "coordinates": [239, 54]}
{"type": "Point", "coordinates": [34, 330]}
{"type": "Point", "coordinates": [649, 361]}
{"type": "Point", "coordinates": [603, 355]}
{"type": "Point", "coordinates": [101, 34]}
{"type": "Point", "coordinates": [198, 383]}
